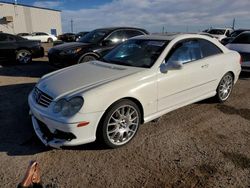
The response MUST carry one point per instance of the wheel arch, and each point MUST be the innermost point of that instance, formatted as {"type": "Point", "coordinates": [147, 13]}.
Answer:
{"type": "Point", "coordinates": [23, 48]}
{"type": "Point", "coordinates": [136, 101]}
{"type": "Point", "coordinates": [90, 54]}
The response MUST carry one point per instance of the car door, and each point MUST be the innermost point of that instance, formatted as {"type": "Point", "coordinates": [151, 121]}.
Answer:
{"type": "Point", "coordinates": [7, 47]}
{"type": "Point", "coordinates": [185, 85]}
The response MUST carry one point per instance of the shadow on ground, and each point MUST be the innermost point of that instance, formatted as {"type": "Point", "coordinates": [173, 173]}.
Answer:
{"type": "Point", "coordinates": [16, 133]}
{"type": "Point", "coordinates": [35, 69]}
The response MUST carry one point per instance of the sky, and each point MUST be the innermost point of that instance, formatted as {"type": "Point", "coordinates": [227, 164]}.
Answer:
{"type": "Point", "coordinates": [153, 15]}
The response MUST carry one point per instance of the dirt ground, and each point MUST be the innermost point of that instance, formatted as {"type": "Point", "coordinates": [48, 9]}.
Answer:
{"type": "Point", "coordinates": [202, 145]}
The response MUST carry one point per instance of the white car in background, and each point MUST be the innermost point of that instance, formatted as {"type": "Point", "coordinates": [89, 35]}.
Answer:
{"type": "Point", "coordinates": [220, 33]}
{"type": "Point", "coordinates": [43, 37]}
{"type": "Point", "coordinates": [138, 81]}
{"type": "Point", "coordinates": [241, 44]}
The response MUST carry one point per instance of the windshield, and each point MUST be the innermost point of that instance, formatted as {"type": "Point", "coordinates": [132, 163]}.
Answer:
{"type": "Point", "coordinates": [136, 53]}
{"type": "Point", "coordinates": [236, 33]}
{"type": "Point", "coordinates": [217, 31]}
{"type": "Point", "coordinates": [94, 36]}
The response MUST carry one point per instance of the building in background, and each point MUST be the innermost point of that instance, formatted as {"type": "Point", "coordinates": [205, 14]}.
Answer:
{"type": "Point", "coordinates": [18, 18]}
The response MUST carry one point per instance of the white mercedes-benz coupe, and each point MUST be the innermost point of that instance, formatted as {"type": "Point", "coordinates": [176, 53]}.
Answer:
{"type": "Point", "coordinates": [138, 81]}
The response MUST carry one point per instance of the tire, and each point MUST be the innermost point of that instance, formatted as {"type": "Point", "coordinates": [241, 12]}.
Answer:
{"type": "Point", "coordinates": [86, 58]}
{"type": "Point", "coordinates": [119, 124]}
{"type": "Point", "coordinates": [225, 88]}
{"type": "Point", "coordinates": [23, 56]}
{"type": "Point", "coordinates": [50, 40]}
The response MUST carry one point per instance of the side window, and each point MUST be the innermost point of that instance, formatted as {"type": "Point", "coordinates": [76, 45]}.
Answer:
{"type": "Point", "coordinates": [3, 38]}
{"type": "Point", "coordinates": [117, 37]}
{"type": "Point", "coordinates": [185, 52]}
{"type": "Point", "coordinates": [208, 48]}
{"type": "Point", "coordinates": [11, 38]}
{"type": "Point", "coordinates": [133, 33]}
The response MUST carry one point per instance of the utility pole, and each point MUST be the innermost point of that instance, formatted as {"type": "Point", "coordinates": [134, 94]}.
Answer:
{"type": "Point", "coordinates": [163, 30]}
{"type": "Point", "coordinates": [72, 25]}
{"type": "Point", "coordinates": [233, 24]}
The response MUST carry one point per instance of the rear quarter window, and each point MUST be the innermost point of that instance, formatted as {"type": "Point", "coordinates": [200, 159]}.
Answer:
{"type": "Point", "coordinates": [208, 48]}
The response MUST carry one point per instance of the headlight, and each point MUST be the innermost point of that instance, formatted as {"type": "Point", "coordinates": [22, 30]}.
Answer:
{"type": "Point", "coordinates": [71, 51]}
{"type": "Point", "coordinates": [68, 108]}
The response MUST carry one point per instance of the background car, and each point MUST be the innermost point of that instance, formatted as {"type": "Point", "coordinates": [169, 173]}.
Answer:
{"type": "Point", "coordinates": [67, 37]}
{"type": "Point", "coordinates": [232, 36]}
{"type": "Point", "coordinates": [241, 44]}
{"type": "Point", "coordinates": [43, 37]}
{"type": "Point", "coordinates": [15, 48]}
{"type": "Point", "coordinates": [138, 81]}
{"type": "Point", "coordinates": [23, 34]}
{"type": "Point", "coordinates": [92, 46]}
{"type": "Point", "coordinates": [220, 33]}
{"type": "Point", "coordinates": [81, 34]}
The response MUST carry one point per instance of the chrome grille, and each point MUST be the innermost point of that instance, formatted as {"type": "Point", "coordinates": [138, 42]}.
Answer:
{"type": "Point", "coordinates": [42, 98]}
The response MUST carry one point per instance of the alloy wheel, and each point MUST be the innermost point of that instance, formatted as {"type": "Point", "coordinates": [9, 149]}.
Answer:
{"type": "Point", "coordinates": [122, 125]}
{"type": "Point", "coordinates": [225, 87]}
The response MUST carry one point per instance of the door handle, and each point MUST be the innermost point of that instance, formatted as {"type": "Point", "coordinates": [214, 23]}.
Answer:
{"type": "Point", "coordinates": [205, 66]}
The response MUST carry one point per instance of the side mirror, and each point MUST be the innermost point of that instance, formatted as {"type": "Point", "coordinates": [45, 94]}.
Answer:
{"type": "Point", "coordinates": [107, 43]}
{"type": "Point", "coordinates": [173, 65]}
{"type": "Point", "coordinates": [163, 68]}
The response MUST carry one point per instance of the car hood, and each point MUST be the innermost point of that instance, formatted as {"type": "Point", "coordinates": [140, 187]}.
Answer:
{"type": "Point", "coordinates": [82, 77]}
{"type": "Point", "coordinates": [71, 45]}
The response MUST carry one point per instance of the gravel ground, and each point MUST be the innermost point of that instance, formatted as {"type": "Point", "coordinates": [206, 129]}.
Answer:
{"type": "Point", "coordinates": [202, 145]}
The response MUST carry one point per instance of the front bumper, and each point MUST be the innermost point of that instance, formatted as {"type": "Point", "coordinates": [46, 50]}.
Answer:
{"type": "Point", "coordinates": [58, 60]}
{"type": "Point", "coordinates": [56, 134]}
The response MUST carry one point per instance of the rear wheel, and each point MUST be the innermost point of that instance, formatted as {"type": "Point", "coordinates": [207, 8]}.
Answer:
{"type": "Point", "coordinates": [87, 58]}
{"type": "Point", "coordinates": [50, 40]}
{"type": "Point", "coordinates": [23, 56]}
{"type": "Point", "coordinates": [225, 87]}
{"type": "Point", "coordinates": [120, 124]}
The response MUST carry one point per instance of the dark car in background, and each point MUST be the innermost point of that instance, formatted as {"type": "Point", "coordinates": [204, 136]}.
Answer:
{"type": "Point", "coordinates": [18, 49]}
{"type": "Point", "coordinates": [67, 37]}
{"type": "Point", "coordinates": [92, 46]}
{"type": "Point", "coordinates": [241, 44]}
{"type": "Point", "coordinates": [233, 35]}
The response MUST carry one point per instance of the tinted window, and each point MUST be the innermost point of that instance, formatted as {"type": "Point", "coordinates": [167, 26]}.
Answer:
{"type": "Point", "coordinates": [217, 31]}
{"type": "Point", "coordinates": [3, 38]}
{"type": "Point", "coordinates": [94, 36]}
{"type": "Point", "coordinates": [208, 48]}
{"type": "Point", "coordinates": [133, 33]}
{"type": "Point", "coordinates": [242, 39]}
{"type": "Point", "coordinates": [185, 52]}
{"type": "Point", "coordinates": [117, 36]}
{"type": "Point", "coordinates": [11, 38]}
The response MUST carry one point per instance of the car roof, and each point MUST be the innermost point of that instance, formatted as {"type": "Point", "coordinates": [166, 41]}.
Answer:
{"type": "Point", "coordinates": [116, 28]}
{"type": "Point", "coordinates": [221, 28]}
{"type": "Point", "coordinates": [245, 32]}
{"type": "Point", "coordinates": [171, 36]}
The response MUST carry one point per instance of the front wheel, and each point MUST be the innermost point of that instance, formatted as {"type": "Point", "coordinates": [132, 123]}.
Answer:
{"type": "Point", "coordinates": [23, 56]}
{"type": "Point", "coordinates": [50, 40]}
{"type": "Point", "coordinates": [120, 124]}
{"type": "Point", "coordinates": [225, 87]}
{"type": "Point", "coordinates": [87, 58]}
